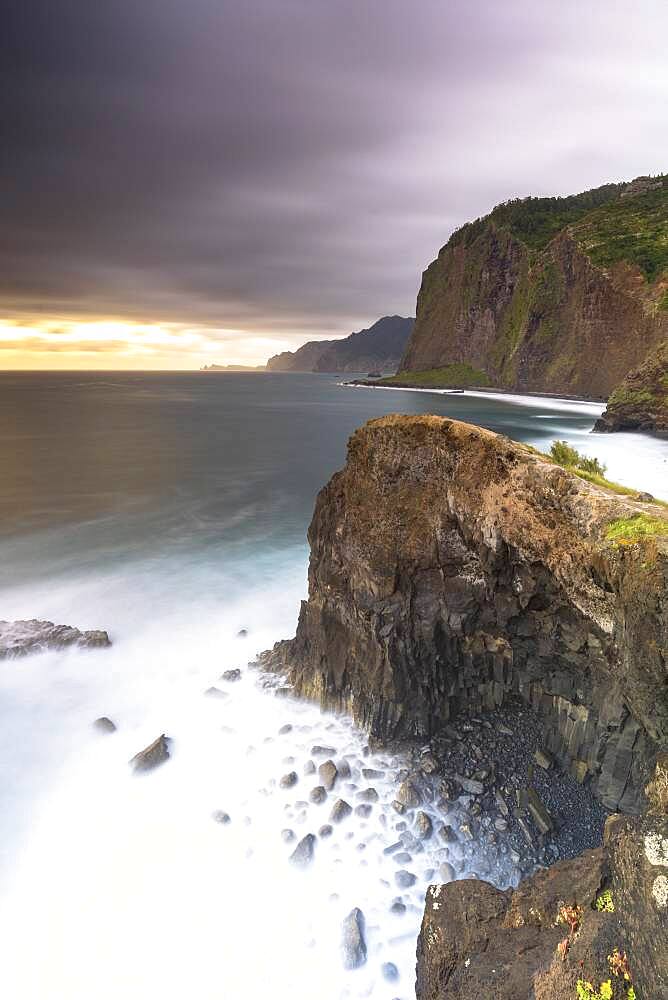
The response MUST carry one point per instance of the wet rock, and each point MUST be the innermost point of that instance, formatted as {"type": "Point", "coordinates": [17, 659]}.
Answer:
{"type": "Point", "coordinates": [288, 835]}
{"type": "Point", "coordinates": [152, 756]}
{"type": "Point", "coordinates": [328, 774]}
{"type": "Point", "coordinates": [289, 780]}
{"type": "Point", "coordinates": [304, 852]}
{"type": "Point", "coordinates": [504, 730]}
{"type": "Point", "coordinates": [391, 848]}
{"type": "Point", "coordinates": [539, 813]}
{"type": "Point", "coordinates": [408, 795]}
{"type": "Point", "coordinates": [404, 879]}
{"type": "Point", "coordinates": [501, 825]}
{"type": "Point", "coordinates": [19, 638]}
{"type": "Point", "coordinates": [353, 944]}
{"type": "Point", "coordinates": [326, 830]}
{"type": "Point", "coordinates": [501, 803]}
{"type": "Point", "coordinates": [220, 816]}
{"type": "Point", "coordinates": [343, 769]}
{"type": "Point", "coordinates": [214, 692]}
{"type": "Point", "coordinates": [402, 858]}
{"type": "Point", "coordinates": [318, 794]}
{"type": "Point", "coordinates": [340, 811]}
{"type": "Point", "coordinates": [231, 675]}
{"type": "Point", "coordinates": [423, 825]}
{"type": "Point", "coordinates": [446, 872]}
{"type": "Point", "coordinates": [363, 810]}
{"type": "Point", "coordinates": [466, 830]}
{"type": "Point", "coordinates": [398, 907]}
{"type": "Point", "coordinates": [104, 725]}
{"type": "Point", "coordinates": [372, 774]}
{"type": "Point", "coordinates": [242, 633]}
{"type": "Point", "coordinates": [309, 767]}
{"type": "Point", "coordinates": [287, 728]}
{"type": "Point", "coordinates": [368, 795]}
{"type": "Point", "coordinates": [447, 834]}
{"type": "Point", "coordinates": [318, 751]}
{"type": "Point", "coordinates": [389, 972]}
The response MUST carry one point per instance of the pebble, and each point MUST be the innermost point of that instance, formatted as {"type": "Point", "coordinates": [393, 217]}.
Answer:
{"type": "Point", "coordinates": [231, 675]}
{"type": "Point", "coordinates": [309, 767]}
{"type": "Point", "coordinates": [423, 825]}
{"type": "Point", "coordinates": [340, 810]}
{"type": "Point", "coordinates": [287, 728]}
{"type": "Point", "coordinates": [318, 794]}
{"type": "Point", "coordinates": [398, 907]}
{"type": "Point", "coordinates": [363, 810]}
{"type": "Point", "coordinates": [389, 972]}
{"type": "Point", "coordinates": [288, 835]}
{"type": "Point", "coordinates": [318, 751]}
{"type": "Point", "coordinates": [289, 780]}
{"type": "Point", "coordinates": [219, 816]}
{"type": "Point", "coordinates": [325, 831]}
{"type": "Point", "coordinates": [303, 854]}
{"type": "Point", "coordinates": [368, 795]}
{"type": "Point", "coordinates": [353, 944]}
{"type": "Point", "coordinates": [104, 725]}
{"type": "Point", "coordinates": [404, 879]}
{"type": "Point", "coordinates": [328, 774]}
{"type": "Point", "coordinates": [446, 872]}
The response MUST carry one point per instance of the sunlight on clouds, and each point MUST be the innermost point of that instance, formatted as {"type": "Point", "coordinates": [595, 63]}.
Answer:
{"type": "Point", "coordinates": [116, 344]}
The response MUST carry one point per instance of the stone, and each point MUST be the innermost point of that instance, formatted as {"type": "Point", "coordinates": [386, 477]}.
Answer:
{"type": "Point", "coordinates": [288, 835]}
{"type": "Point", "coordinates": [504, 730]}
{"type": "Point", "coordinates": [363, 810]}
{"type": "Point", "coordinates": [340, 811]}
{"type": "Point", "coordinates": [543, 759]}
{"type": "Point", "coordinates": [389, 972]}
{"type": "Point", "coordinates": [408, 795]}
{"type": "Point", "coordinates": [398, 907]}
{"type": "Point", "coordinates": [231, 675]}
{"type": "Point", "coordinates": [304, 852]}
{"type": "Point", "coordinates": [309, 767]}
{"type": "Point", "coordinates": [372, 774]}
{"type": "Point", "coordinates": [104, 725]}
{"type": "Point", "coordinates": [402, 858]}
{"type": "Point", "coordinates": [423, 825]}
{"type": "Point", "coordinates": [501, 803]}
{"type": "Point", "coordinates": [242, 633]}
{"type": "Point", "coordinates": [501, 825]}
{"type": "Point", "coordinates": [447, 834]}
{"type": "Point", "coordinates": [353, 944]}
{"type": "Point", "coordinates": [404, 879]}
{"type": "Point", "coordinates": [326, 830]}
{"type": "Point", "coordinates": [214, 692]}
{"type": "Point", "coordinates": [343, 769]}
{"type": "Point", "coordinates": [391, 848]}
{"type": "Point", "coordinates": [220, 816]}
{"type": "Point", "coordinates": [287, 728]}
{"type": "Point", "coordinates": [152, 756]}
{"type": "Point", "coordinates": [368, 795]}
{"type": "Point", "coordinates": [319, 751]}
{"type": "Point", "coordinates": [318, 794]}
{"type": "Point", "coordinates": [539, 813]}
{"type": "Point", "coordinates": [289, 780]}
{"type": "Point", "coordinates": [470, 785]}
{"type": "Point", "coordinates": [328, 774]}
{"type": "Point", "coordinates": [446, 872]}
{"type": "Point", "coordinates": [18, 638]}
{"type": "Point", "coordinates": [466, 830]}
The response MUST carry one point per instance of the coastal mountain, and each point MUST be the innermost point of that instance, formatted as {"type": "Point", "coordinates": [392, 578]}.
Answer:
{"type": "Point", "coordinates": [378, 348]}
{"type": "Point", "coordinates": [231, 368]}
{"type": "Point", "coordinates": [559, 295]}
{"type": "Point", "coordinates": [641, 401]}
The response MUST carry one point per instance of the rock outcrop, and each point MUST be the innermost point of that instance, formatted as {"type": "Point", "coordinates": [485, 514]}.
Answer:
{"type": "Point", "coordinates": [451, 568]}
{"type": "Point", "coordinates": [380, 347]}
{"type": "Point", "coordinates": [560, 295]}
{"type": "Point", "coordinates": [641, 401]}
{"type": "Point", "coordinates": [33, 636]}
{"type": "Point", "coordinates": [596, 919]}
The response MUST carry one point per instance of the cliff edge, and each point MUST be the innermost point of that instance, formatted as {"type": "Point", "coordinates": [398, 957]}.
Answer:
{"type": "Point", "coordinates": [641, 401]}
{"type": "Point", "coordinates": [451, 568]}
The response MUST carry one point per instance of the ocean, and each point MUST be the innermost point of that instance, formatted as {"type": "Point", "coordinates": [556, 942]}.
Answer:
{"type": "Point", "coordinates": [171, 510]}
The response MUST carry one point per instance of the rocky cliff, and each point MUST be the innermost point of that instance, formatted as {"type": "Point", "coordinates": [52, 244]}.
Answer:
{"type": "Point", "coordinates": [380, 348]}
{"type": "Point", "coordinates": [550, 294]}
{"type": "Point", "coordinates": [594, 927]}
{"type": "Point", "coordinates": [641, 401]}
{"type": "Point", "coordinates": [451, 568]}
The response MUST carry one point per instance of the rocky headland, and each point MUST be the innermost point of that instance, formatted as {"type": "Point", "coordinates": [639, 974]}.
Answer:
{"type": "Point", "coordinates": [641, 401]}
{"type": "Point", "coordinates": [380, 347]}
{"type": "Point", "coordinates": [455, 575]}
{"type": "Point", "coordinates": [561, 295]}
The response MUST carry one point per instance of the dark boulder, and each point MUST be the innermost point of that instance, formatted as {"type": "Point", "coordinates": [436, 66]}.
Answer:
{"type": "Point", "coordinates": [153, 755]}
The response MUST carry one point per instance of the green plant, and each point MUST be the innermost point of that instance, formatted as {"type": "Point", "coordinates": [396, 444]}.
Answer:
{"type": "Point", "coordinates": [564, 454]}
{"type": "Point", "coordinates": [586, 991]}
{"type": "Point", "coordinates": [604, 903]}
{"type": "Point", "coordinates": [631, 530]}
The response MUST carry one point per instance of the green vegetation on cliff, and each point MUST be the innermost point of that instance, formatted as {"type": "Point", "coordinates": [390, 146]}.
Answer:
{"type": "Point", "coordinates": [550, 294]}
{"type": "Point", "coordinates": [641, 400]}
{"type": "Point", "coordinates": [630, 530]}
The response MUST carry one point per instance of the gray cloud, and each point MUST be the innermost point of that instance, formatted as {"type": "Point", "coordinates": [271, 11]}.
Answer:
{"type": "Point", "coordinates": [291, 166]}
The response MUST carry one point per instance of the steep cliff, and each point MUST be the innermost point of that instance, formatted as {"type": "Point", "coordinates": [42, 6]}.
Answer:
{"type": "Point", "coordinates": [380, 347]}
{"type": "Point", "coordinates": [641, 401]}
{"type": "Point", "coordinates": [451, 567]}
{"type": "Point", "coordinates": [550, 294]}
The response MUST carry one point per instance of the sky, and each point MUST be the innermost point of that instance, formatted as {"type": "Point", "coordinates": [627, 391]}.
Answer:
{"type": "Point", "coordinates": [194, 181]}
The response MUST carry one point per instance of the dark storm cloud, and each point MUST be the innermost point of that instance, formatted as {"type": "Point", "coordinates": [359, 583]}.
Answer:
{"type": "Point", "coordinates": [292, 165]}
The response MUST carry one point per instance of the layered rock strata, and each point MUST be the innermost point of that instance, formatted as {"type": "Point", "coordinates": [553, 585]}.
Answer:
{"type": "Point", "coordinates": [451, 568]}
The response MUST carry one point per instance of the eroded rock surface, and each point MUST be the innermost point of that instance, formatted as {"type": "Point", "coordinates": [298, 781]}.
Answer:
{"type": "Point", "coordinates": [33, 636]}
{"type": "Point", "coordinates": [641, 401]}
{"type": "Point", "coordinates": [452, 568]}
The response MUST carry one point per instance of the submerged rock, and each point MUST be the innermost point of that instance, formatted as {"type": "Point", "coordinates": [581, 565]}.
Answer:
{"type": "Point", "coordinates": [304, 852]}
{"type": "Point", "coordinates": [340, 811]}
{"type": "Point", "coordinates": [19, 638]}
{"type": "Point", "coordinates": [289, 780]}
{"type": "Point", "coordinates": [318, 794]}
{"type": "Point", "coordinates": [353, 944]}
{"type": "Point", "coordinates": [104, 725]}
{"type": "Point", "coordinates": [153, 755]}
{"type": "Point", "coordinates": [328, 774]}
{"type": "Point", "coordinates": [231, 675]}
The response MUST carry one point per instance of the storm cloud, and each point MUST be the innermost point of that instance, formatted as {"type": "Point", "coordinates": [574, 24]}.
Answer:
{"type": "Point", "coordinates": [289, 167]}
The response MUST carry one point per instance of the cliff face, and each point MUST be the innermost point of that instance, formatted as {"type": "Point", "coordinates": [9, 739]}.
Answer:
{"type": "Point", "coordinates": [378, 348]}
{"type": "Point", "coordinates": [641, 401]}
{"type": "Point", "coordinates": [451, 567]}
{"type": "Point", "coordinates": [555, 295]}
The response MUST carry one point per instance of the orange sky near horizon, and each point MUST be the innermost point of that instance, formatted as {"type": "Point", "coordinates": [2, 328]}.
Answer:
{"type": "Point", "coordinates": [109, 344]}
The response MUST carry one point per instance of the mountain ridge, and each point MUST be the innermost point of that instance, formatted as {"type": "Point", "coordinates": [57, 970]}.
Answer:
{"type": "Point", "coordinates": [379, 346]}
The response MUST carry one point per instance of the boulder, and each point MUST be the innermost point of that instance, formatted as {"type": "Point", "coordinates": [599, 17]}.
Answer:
{"type": "Point", "coordinates": [152, 756]}
{"type": "Point", "coordinates": [104, 725]}
{"type": "Point", "coordinates": [353, 944]}
{"type": "Point", "coordinates": [340, 811]}
{"type": "Point", "coordinates": [18, 638]}
{"type": "Point", "coordinates": [328, 774]}
{"type": "Point", "coordinates": [304, 852]}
